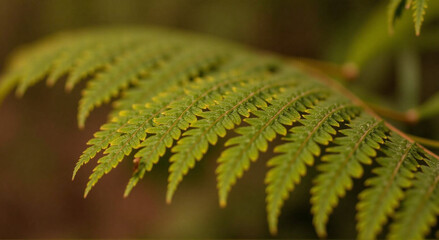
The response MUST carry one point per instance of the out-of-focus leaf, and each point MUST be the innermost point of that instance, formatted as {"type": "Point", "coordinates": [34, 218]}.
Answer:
{"type": "Point", "coordinates": [395, 10]}
{"type": "Point", "coordinates": [419, 7]}
{"type": "Point", "coordinates": [429, 108]}
{"type": "Point", "coordinates": [409, 78]}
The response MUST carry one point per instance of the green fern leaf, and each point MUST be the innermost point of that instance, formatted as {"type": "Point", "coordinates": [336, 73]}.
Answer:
{"type": "Point", "coordinates": [386, 189]}
{"type": "Point", "coordinates": [133, 131]}
{"type": "Point", "coordinates": [178, 117]}
{"type": "Point", "coordinates": [357, 146]}
{"type": "Point", "coordinates": [290, 165]}
{"type": "Point", "coordinates": [269, 122]}
{"type": "Point", "coordinates": [177, 87]}
{"type": "Point", "coordinates": [180, 69]}
{"type": "Point", "coordinates": [154, 147]}
{"type": "Point", "coordinates": [68, 57]}
{"type": "Point", "coordinates": [104, 54]}
{"type": "Point", "coordinates": [100, 141]}
{"type": "Point", "coordinates": [216, 122]}
{"type": "Point", "coordinates": [123, 72]}
{"type": "Point", "coordinates": [419, 7]}
{"type": "Point", "coordinates": [43, 63]}
{"type": "Point", "coordinates": [420, 205]}
{"type": "Point", "coordinates": [395, 10]}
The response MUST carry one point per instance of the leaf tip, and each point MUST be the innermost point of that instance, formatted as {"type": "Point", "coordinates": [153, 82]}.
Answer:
{"type": "Point", "coordinates": [273, 231]}
{"type": "Point", "coordinates": [321, 233]}
{"type": "Point", "coordinates": [19, 93]}
{"type": "Point", "coordinates": [408, 4]}
{"type": "Point", "coordinates": [50, 82]}
{"type": "Point", "coordinates": [68, 87]}
{"type": "Point", "coordinates": [75, 171]}
{"type": "Point", "coordinates": [128, 190]}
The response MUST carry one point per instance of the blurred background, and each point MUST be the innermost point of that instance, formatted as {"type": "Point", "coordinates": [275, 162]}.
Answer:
{"type": "Point", "coordinates": [40, 141]}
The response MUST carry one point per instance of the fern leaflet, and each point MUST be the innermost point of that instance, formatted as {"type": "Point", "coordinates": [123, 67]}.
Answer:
{"type": "Point", "coordinates": [419, 7]}
{"type": "Point", "coordinates": [269, 122]}
{"type": "Point", "coordinates": [344, 163]}
{"type": "Point", "coordinates": [386, 189]}
{"type": "Point", "coordinates": [290, 165]}
{"type": "Point", "coordinates": [420, 205]}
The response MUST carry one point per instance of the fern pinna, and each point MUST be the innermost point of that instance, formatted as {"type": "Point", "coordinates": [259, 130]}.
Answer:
{"type": "Point", "coordinates": [179, 92]}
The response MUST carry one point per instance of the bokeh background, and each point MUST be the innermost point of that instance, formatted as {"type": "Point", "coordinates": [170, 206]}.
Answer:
{"type": "Point", "coordinates": [40, 141]}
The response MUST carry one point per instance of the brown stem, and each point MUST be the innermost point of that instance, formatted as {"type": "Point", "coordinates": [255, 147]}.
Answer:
{"type": "Point", "coordinates": [337, 86]}
{"type": "Point", "coordinates": [347, 72]}
{"type": "Point", "coordinates": [426, 141]}
{"type": "Point", "coordinates": [410, 117]}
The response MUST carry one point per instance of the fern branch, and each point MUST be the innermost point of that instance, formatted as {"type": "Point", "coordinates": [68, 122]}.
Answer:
{"type": "Point", "coordinates": [153, 148]}
{"type": "Point", "coordinates": [183, 66]}
{"type": "Point", "coordinates": [34, 73]}
{"type": "Point", "coordinates": [290, 165]}
{"type": "Point", "coordinates": [179, 116]}
{"type": "Point", "coordinates": [126, 70]}
{"type": "Point", "coordinates": [132, 134]}
{"type": "Point", "coordinates": [173, 99]}
{"type": "Point", "coordinates": [419, 7]}
{"type": "Point", "coordinates": [426, 141]}
{"type": "Point", "coordinates": [363, 138]}
{"type": "Point", "coordinates": [269, 122]}
{"type": "Point", "coordinates": [343, 91]}
{"type": "Point", "coordinates": [101, 140]}
{"type": "Point", "coordinates": [223, 116]}
{"type": "Point", "coordinates": [420, 206]}
{"type": "Point", "coordinates": [68, 57]}
{"type": "Point", "coordinates": [104, 55]}
{"type": "Point", "coordinates": [386, 189]}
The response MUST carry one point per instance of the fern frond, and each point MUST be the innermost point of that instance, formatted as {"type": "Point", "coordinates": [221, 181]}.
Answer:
{"type": "Point", "coordinates": [420, 205]}
{"type": "Point", "coordinates": [178, 117]}
{"type": "Point", "coordinates": [216, 122]}
{"type": "Point", "coordinates": [192, 90]}
{"type": "Point", "coordinates": [396, 8]}
{"type": "Point", "coordinates": [103, 55]}
{"type": "Point", "coordinates": [108, 132]}
{"type": "Point", "coordinates": [180, 69]}
{"type": "Point", "coordinates": [153, 147]}
{"type": "Point", "coordinates": [419, 7]}
{"type": "Point", "coordinates": [386, 189]}
{"type": "Point", "coordinates": [357, 146]}
{"type": "Point", "coordinates": [290, 165]}
{"type": "Point", "coordinates": [133, 131]}
{"type": "Point", "coordinates": [254, 138]}
{"type": "Point", "coordinates": [43, 62]}
{"type": "Point", "coordinates": [126, 70]}
{"type": "Point", "coordinates": [68, 57]}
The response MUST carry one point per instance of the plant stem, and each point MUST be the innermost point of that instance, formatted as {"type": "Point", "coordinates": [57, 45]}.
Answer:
{"type": "Point", "coordinates": [428, 142]}
{"type": "Point", "coordinates": [337, 86]}
{"type": "Point", "coordinates": [410, 116]}
{"type": "Point", "coordinates": [345, 72]}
